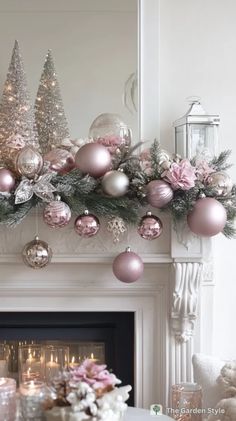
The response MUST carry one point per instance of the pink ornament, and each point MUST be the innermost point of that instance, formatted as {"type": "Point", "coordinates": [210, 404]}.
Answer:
{"type": "Point", "coordinates": [159, 193]}
{"type": "Point", "coordinates": [128, 266]}
{"type": "Point", "coordinates": [57, 214]}
{"type": "Point", "coordinates": [181, 175]}
{"type": "Point", "coordinates": [7, 180]}
{"type": "Point", "coordinates": [207, 218]}
{"type": "Point", "coordinates": [93, 159]}
{"type": "Point", "coordinates": [150, 227]}
{"type": "Point", "coordinates": [87, 225]}
{"type": "Point", "coordinates": [60, 160]}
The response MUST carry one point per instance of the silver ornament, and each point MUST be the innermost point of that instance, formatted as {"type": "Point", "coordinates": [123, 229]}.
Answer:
{"type": "Point", "coordinates": [116, 226]}
{"type": "Point", "coordinates": [220, 182]}
{"type": "Point", "coordinates": [41, 187]}
{"type": "Point", "coordinates": [115, 183]}
{"type": "Point", "coordinates": [29, 162]}
{"type": "Point", "coordinates": [37, 254]}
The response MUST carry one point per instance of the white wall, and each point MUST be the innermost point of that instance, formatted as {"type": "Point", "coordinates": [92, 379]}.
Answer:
{"type": "Point", "coordinates": [198, 57]}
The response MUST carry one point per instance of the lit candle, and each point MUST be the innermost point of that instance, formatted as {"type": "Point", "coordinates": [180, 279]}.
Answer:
{"type": "Point", "coordinates": [32, 394]}
{"type": "Point", "coordinates": [73, 364]}
{"type": "Point", "coordinates": [7, 398]}
{"type": "Point", "coordinates": [94, 360]}
{"type": "Point", "coordinates": [3, 368]}
{"type": "Point", "coordinates": [52, 368]}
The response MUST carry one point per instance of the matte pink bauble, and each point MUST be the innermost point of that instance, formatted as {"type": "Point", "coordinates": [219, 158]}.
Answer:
{"type": "Point", "coordinates": [61, 161]}
{"type": "Point", "coordinates": [207, 218]}
{"type": "Point", "coordinates": [159, 193]}
{"type": "Point", "coordinates": [87, 225]}
{"type": "Point", "coordinates": [150, 227]}
{"type": "Point", "coordinates": [7, 180]}
{"type": "Point", "coordinates": [57, 214]}
{"type": "Point", "coordinates": [93, 159]}
{"type": "Point", "coordinates": [128, 266]}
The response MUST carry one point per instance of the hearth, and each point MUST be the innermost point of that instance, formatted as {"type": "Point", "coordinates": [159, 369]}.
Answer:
{"type": "Point", "coordinates": [100, 336]}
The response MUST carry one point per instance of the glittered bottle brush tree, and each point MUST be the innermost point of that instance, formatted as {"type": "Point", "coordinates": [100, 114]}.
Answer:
{"type": "Point", "coordinates": [117, 184]}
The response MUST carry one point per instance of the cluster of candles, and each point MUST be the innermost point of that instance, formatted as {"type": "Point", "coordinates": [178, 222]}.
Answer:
{"type": "Point", "coordinates": [38, 365]}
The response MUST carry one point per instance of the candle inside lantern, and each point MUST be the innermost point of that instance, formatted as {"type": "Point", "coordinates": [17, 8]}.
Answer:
{"type": "Point", "coordinates": [73, 364]}
{"type": "Point", "coordinates": [4, 359]}
{"type": "Point", "coordinates": [7, 399]}
{"type": "Point", "coordinates": [92, 358]}
{"type": "Point", "coordinates": [32, 394]}
{"type": "Point", "coordinates": [52, 368]}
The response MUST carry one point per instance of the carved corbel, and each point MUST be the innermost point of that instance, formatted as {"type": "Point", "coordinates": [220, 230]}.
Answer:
{"type": "Point", "coordinates": [185, 292]}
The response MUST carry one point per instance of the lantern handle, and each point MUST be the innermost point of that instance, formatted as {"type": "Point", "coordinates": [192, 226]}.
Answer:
{"type": "Point", "coordinates": [193, 99]}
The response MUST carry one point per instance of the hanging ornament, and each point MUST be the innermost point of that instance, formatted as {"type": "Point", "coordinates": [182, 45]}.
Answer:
{"type": "Point", "coordinates": [60, 160]}
{"type": "Point", "coordinates": [150, 227]}
{"type": "Point", "coordinates": [37, 254]}
{"type": "Point", "coordinates": [220, 182]}
{"type": "Point", "coordinates": [115, 183]}
{"type": "Point", "coordinates": [7, 180]}
{"type": "Point", "coordinates": [117, 227]}
{"type": "Point", "coordinates": [87, 225]}
{"type": "Point", "coordinates": [128, 266]}
{"type": "Point", "coordinates": [57, 214]}
{"type": "Point", "coordinates": [29, 162]}
{"type": "Point", "coordinates": [207, 218]}
{"type": "Point", "coordinates": [93, 159]}
{"type": "Point", "coordinates": [41, 187]}
{"type": "Point", "coordinates": [159, 193]}
{"type": "Point", "coordinates": [110, 131]}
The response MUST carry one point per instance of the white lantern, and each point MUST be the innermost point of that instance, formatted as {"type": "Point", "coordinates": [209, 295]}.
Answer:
{"type": "Point", "coordinates": [196, 133]}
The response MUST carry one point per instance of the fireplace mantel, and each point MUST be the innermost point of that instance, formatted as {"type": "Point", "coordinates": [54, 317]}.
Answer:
{"type": "Point", "coordinates": [167, 301]}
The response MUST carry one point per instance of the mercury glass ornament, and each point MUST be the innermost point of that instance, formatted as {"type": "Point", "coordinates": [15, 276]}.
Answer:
{"type": "Point", "coordinates": [87, 225]}
{"type": "Point", "coordinates": [220, 182]}
{"type": "Point", "coordinates": [115, 183]}
{"type": "Point", "coordinates": [29, 162]}
{"type": "Point", "coordinates": [207, 218]}
{"type": "Point", "coordinates": [93, 159]}
{"type": "Point", "coordinates": [159, 193]}
{"type": "Point", "coordinates": [57, 214]}
{"type": "Point", "coordinates": [37, 254]}
{"type": "Point", "coordinates": [150, 227]}
{"type": "Point", "coordinates": [128, 266]}
{"type": "Point", "coordinates": [7, 180]}
{"type": "Point", "coordinates": [60, 160]}
{"type": "Point", "coordinates": [109, 130]}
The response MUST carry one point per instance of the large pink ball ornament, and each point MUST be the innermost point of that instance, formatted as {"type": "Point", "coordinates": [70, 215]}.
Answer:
{"type": "Point", "coordinates": [93, 159]}
{"type": "Point", "coordinates": [60, 160]}
{"type": "Point", "coordinates": [128, 266]}
{"type": "Point", "coordinates": [7, 180]}
{"type": "Point", "coordinates": [207, 218]}
{"type": "Point", "coordinates": [159, 193]}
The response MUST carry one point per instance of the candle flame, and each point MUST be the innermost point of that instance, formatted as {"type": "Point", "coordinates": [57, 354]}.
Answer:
{"type": "Point", "coordinates": [72, 360]}
{"type": "Point", "coordinates": [92, 356]}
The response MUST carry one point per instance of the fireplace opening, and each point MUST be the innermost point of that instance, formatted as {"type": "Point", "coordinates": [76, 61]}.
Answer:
{"type": "Point", "coordinates": [103, 337]}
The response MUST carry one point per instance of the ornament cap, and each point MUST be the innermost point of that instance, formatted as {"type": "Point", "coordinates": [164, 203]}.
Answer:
{"type": "Point", "coordinates": [36, 238]}
{"type": "Point", "coordinates": [58, 198]}
{"type": "Point", "coordinates": [128, 249]}
{"type": "Point", "coordinates": [86, 212]}
{"type": "Point", "coordinates": [149, 213]}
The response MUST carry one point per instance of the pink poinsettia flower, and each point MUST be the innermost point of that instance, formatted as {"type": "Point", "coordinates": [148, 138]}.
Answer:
{"type": "Point", "coordinates": [97, 376]}
{"type": "Point", "coordinates": [181, 175]}
{"type": "Point", "coordinates": [203, 170]}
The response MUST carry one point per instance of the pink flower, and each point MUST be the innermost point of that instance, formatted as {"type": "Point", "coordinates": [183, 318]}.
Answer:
{"type": "Point", "coordinates": [203, 170]}
{"type": "Point", "coordinates": [180, 175]}
{"type": "Point", "coordinates": [145, 161]}
{"type": "Point", "coordinates": [95, 375]}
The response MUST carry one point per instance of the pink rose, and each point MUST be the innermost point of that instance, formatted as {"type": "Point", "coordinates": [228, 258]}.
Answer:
{"type": "Point", "coordinates": [95, 375]}
{"type": "Point", "coordinates": [203, 170]}
{"type": "Point", "coordinates": [181, 175]}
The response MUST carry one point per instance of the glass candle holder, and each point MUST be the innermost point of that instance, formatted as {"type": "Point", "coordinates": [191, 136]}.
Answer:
{"type": "Point", "coordinates": [56, 360]}
{"type": "Point", "coordinates": [7, 399]}
{"type": "Point", "coordinates": [187, 402]}
{"type": "Point", "coordinates": [4, 359]}
{"type": "Point", "coordinates": [32, 395]}
{"type": "Point", "coordinates": [31, 363]}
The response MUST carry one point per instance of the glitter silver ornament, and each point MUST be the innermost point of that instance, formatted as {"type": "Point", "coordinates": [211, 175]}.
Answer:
{"type": "Point", "coordinates": [29, 162]}
{"type": "Point", "coordinates": [220, 182]}
{"type": "Point", "coordinates": [50, 116]}
{"type": "Point", "coordinates": [37, 254]}
{"type": "Point", "coordinates": [115, 183]}
{"type": "Point", "coordinates": [116, 226]}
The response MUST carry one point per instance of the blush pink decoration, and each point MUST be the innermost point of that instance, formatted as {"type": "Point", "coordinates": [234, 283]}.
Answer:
{"type": "Point", "coordinates": [203, 170]}
{"type": "Point", "coordinates": [97, 376]}
{"type": "Point", "coordinates": [145, 161]}
{"type": "Point", "coordinates": [208, 217]}
{"type": "Point", "coordinates": [181, 175]}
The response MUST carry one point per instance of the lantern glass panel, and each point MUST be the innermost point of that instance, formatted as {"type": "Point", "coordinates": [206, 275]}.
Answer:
{"type": "Point", "coordinates": [203, 140]}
